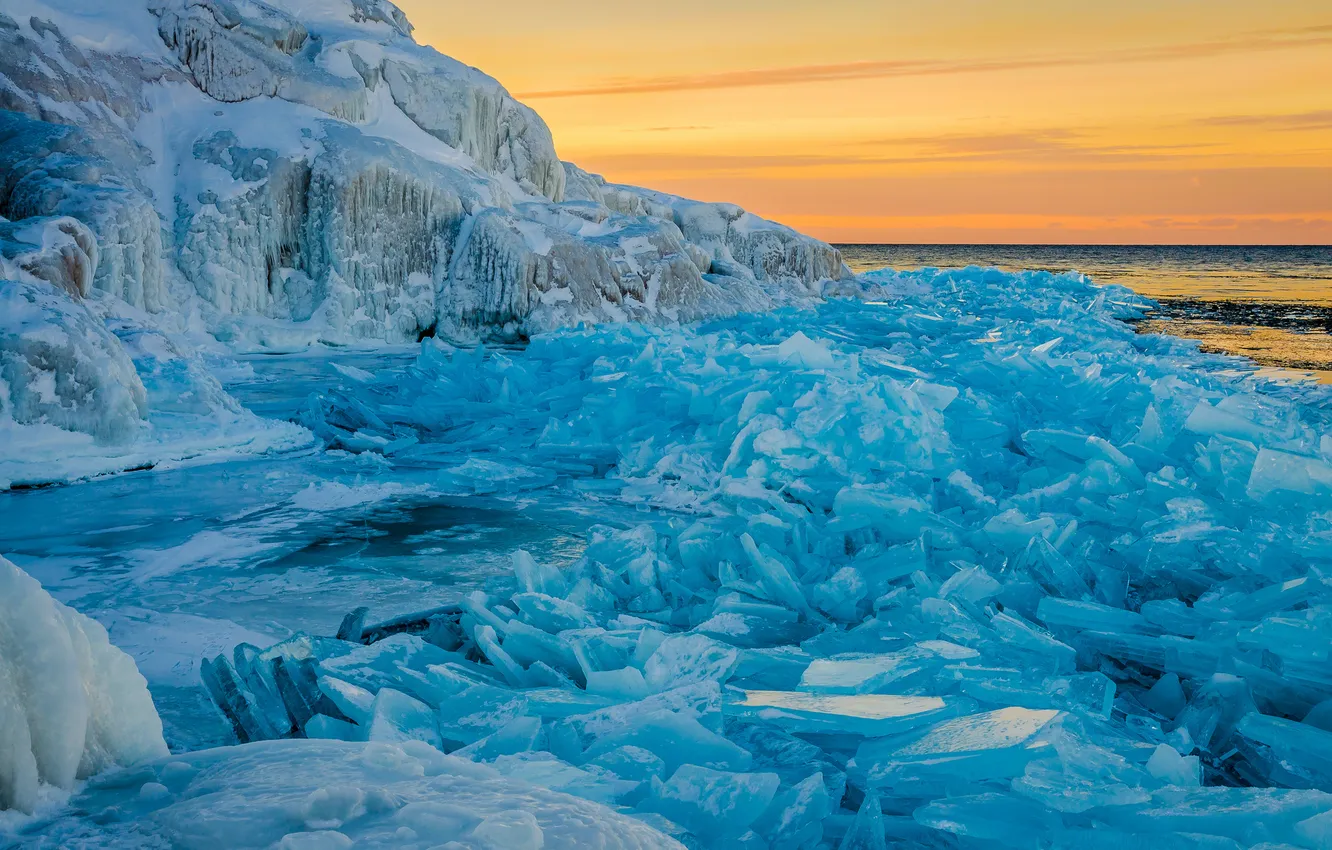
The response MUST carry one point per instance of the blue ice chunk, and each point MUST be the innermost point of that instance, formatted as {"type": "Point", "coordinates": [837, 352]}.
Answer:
{"type": "Point", "coordinates": [688, 659]}
{"type": "Point", "coordinates": [842, 596]}
{"type": "Point", "coordinates": [676, 739]}
{"type": "Point", "coordinates": [1300, 754]}
{"type": "Point", "coordinates": [864, 673]}
{"type": "Point", "coordinates": [864, 715]}
{"type": "Point", "coordinates": [866, 832]}
{"type": "Point", "coordinates": [397, 717]}
{"type": "Point", "coordinates": [795, 816]}
{"type": "Point", "coordinates": [551, 614]}
{"type": "Point", "coordinates": [399, 661]}
{"type": "Point", "coordinates": [519, 735]}
{"type": "Point", "coordinates": [1171, 768]}
{"type": "Point", "coordinates": [546, 771]}
{"type": "Point", "coordinates": [1006, 820]}
{"type": "Point", "coordinates": [325, 727]}
{"type": "Point", "coordinates": [528, 645]}
{"type": "Point", "coordinates": [533, 577]}
{"type": "Point", "coordinates": [355, 702]}
{"type": "Point", "coordinates": [1081, 776]}
{"type": "Point", "coordinates": [631, 763]}
{"type": "Point", "coordinates": [774, 574]}
{"type": "Point", "coordinates": [960, 751]}
{"type": "Point", "coordinates": [489, 645]}
{"type": "Point", "coordinates": [775, 668]}
{"type": "Point", "coordinates": [624, 684]}
{"type": "Point", "coordinates": [715, 805]}
{"type": "Point", "coordinates": [477, 712]}
{"type": "Point", "coordinates": [1080, 615]}
{"type": "Point", "coordinates": [791, 758]}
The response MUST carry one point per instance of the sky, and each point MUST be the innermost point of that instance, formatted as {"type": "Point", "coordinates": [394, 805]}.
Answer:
{"type": "Point", "coordinates": [973, 121]}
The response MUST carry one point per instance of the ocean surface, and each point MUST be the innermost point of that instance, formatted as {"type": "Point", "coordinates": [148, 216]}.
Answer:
{"type": "Point", "coordinates": [1272, 304]}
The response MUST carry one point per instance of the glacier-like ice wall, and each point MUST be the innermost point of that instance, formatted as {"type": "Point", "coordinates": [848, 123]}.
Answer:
{"type": "Point", "coordinates": [314, 166]}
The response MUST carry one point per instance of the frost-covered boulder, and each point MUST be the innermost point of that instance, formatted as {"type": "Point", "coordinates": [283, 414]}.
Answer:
{"type": "Point", "coordinates": [51, 169]}
{"type": "Point", "coordinates": [60, 366]}
{"type": "Point", "coordinates": [544, 266]}
{"type": "Point", "coordinates": [332, 794]}
{"type": "Point", "coordinates": [740, 244]}
{"type": "Point", "coordinates": [71, 704]}
{"type": "Point", "coordinates": [59, 250]}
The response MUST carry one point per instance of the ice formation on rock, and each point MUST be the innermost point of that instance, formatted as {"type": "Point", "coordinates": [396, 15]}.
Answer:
{"type": "Point", "coordinates": [314, 166]}
{"type": "Point", "coordinates": [88, 385]}
{"type": "Point", "coordinates": [71, 704]}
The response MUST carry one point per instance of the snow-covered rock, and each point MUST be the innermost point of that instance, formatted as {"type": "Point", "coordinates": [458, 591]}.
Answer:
{"type": "Point", "coordinates": [71, 704]}
{"type": "Point", "coordinates": [59, 365]}
{"type": "Point", "coordinates": [279, 161]}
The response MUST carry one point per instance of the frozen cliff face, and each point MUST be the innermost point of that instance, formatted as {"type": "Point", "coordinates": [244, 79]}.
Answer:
{"type": "Point", "coordinates": [71, 704]}
{"type": "Point", "coordinates": [266, 164]}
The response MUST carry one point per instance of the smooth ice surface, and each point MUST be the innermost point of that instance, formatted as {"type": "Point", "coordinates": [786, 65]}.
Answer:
{"type": "Point", "coordinates": [71, 704]}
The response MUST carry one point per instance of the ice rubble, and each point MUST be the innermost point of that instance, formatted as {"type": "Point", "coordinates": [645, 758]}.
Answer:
{"type": "Point", "coordinates": [963, 560]}
{"type": "Point", "coordinates": [71, 704]}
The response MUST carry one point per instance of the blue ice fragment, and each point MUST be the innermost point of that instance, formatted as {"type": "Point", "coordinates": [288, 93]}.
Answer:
{"type": "Point", "coordinates": [864, 715]}
{"type": "Point", "coordinates": [959, 751]}
{"type": "Point", "coordinates": [713, 804]}
{"type": "Point", "coordinates": [397, 717]}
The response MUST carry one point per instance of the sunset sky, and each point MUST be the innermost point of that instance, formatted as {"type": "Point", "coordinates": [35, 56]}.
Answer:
{"type": "Point", "coordinates": [962, 121]}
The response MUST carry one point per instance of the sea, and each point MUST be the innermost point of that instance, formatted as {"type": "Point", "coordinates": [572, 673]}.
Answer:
{"type": "Point", "coordinates": [1272, 304]}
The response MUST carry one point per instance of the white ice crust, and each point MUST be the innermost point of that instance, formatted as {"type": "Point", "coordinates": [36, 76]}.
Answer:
{"type": "Point", "coordinates": [71, 704]}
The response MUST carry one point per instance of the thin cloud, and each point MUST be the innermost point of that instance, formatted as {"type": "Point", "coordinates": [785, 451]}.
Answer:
{"type": "Point", "coordinates": [1259, 41]}
{"type": "Point", "coordinates": [1039, 147]}
{"type": "Point", "coordinates": [1317, 120]}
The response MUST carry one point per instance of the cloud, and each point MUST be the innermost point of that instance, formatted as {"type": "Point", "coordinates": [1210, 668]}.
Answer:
{"type": "Point", "coordinates": [1317, 120]}
{"type": "Point", "coordinates": [1258, 41]}
{"type": "Point", "coordinates": [1036, 147]}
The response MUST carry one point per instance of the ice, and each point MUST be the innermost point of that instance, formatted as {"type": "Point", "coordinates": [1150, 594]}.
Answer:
{"type": "Point", "coordinates": [396, 717]}
{"type": "Point", "coordinates": [715, 805]}
{"type": "Point", "coordinates": [334, 794]}
{"type": "Point", "coordinates": [71, 704]}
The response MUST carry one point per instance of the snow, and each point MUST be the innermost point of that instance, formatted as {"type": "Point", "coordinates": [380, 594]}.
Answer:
{"type": "Point", "coordinates": [329, 794]}
{"type": "Point", "coordinates": [71, 704]}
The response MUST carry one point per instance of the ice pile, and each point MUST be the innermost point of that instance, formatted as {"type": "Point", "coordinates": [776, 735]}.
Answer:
{"type": "Point", "coordinates": [71, 704]}
{"type": "Point", "coordinates": [968, 562]}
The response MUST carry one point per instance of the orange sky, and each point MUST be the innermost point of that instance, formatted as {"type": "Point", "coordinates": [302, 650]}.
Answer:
{"type": "Point", "coordinates": [1141, 121]}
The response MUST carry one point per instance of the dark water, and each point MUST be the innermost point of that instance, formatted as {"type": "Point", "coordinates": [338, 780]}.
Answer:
{"type": "Point", "coordinates": [1272, 304]}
